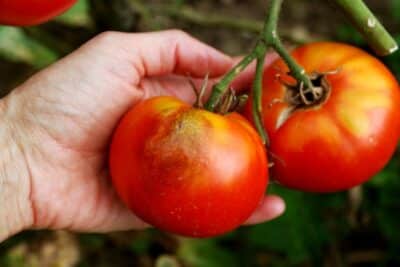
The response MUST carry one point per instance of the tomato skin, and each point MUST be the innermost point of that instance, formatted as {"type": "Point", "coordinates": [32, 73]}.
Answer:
{"type": "Point", "coordinates": [186, 170]}
{"type": "Point", "coordinates": [347, 139]}
{"type": "Point", "coordinates": [31, 12]}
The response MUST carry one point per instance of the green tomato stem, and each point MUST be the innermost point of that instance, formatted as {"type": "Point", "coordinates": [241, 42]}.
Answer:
{"type": "Point", "coordinates": [222, 86]}
{"type": "Point", "coordinates": [271, 39]}
{"type": "Point", "coordinates": [257, 97]}
{"type": "Point", "coordinates": [368, 25]}
{"type": "Point", "coordinates": [362, 17]}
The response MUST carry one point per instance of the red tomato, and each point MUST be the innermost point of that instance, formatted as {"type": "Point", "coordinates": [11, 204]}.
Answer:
{"type": "Point", "coordinates": [187, 170]}
{"type": "Point", "coordinates": [31, 12]}
{"type": "Point", "coordinates": [346, 138]}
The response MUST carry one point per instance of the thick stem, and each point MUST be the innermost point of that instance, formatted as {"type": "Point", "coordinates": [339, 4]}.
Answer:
{"type": "Point", "coordinates": [271, 22]}
{"type": "Point", "coordinates": [269, 38]}
{"type": "Point", "coordinates": [213, 20]}
{"type": "Point", "coordinates": [365, 21]}
{"type": "Point", "coordinates": [257, 97]}
{"type": "Point", "coordinates": [296, 71]}
{"type": "Point", "coordinates": [272, 39]}
{"type": "Point", "coordinates": [222, 86]}
{"type": "Point", "coordinates": [209, 20]}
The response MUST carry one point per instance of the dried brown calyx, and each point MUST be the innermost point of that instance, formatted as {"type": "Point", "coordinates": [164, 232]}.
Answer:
{"type": "Point", "coordinates": [299, 97]}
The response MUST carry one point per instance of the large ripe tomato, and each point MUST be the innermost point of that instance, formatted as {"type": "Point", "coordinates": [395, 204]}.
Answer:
{"type": "Point", "coordinates": [31, 12]}
{"type": "Point", "coordinates": [187, 170]}
{"type": "Point", "coordinates": [346, 138]}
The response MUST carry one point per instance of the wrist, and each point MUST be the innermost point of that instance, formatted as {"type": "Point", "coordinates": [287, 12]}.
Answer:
{"type": "Point", "coordinates": [16, 210]}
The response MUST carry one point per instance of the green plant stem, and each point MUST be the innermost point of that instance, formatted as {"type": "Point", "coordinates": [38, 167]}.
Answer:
{"type": "Point", "coordinates": [209, 20]}
{"type": "Point", "coordinates": [370, 27]}
{"type": "Point", "coordinates": [191, 15]}
{"type": "Point", "coordinates": [222, 86]}
{"type": "Point", "coordinates": [257, 97]}
{"type": "Point", "coordinates": [269, 38]}
{"type": "Point", "coordinates": [296, 71]}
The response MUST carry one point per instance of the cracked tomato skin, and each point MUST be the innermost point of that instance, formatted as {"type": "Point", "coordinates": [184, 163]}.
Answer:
{"type": "Point", "coordinates": [31, 12]}
{"type": "Point", "coordinates": [344, 141]}
{"type": "Point", "coordinates": [187, 170]}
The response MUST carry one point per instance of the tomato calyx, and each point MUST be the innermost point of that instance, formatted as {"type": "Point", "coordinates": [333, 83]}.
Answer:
{"type": "Point", "coordinates": [299, 97]}
{"type": "Point", "coordinates": [230, 101]}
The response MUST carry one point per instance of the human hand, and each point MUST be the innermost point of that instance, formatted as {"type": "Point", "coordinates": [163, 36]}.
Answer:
{"type": "Point", "coordinates": [61, 120]}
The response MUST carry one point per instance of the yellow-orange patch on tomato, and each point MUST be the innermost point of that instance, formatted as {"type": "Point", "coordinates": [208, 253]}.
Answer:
{"type": "Point", "coordinates": [321, 127]}
{"type": "Point", "coordinates": [354, 120]}
{"type": "Point", "coordinates": [368, 78]}
{"type": "Point", "coordinates": [166, 107]}
{"type": "Point", "coordinates": [177, 145]}
{"type": "Point", "coordinates": [218, 124]}
{"type": "Point", "coordinates": [374, 99]}
{"type": "Point", "coordinates": [325, 56]}
{"type": "Point", "coordinates": [353, 107]}
{"type": "Point", "coordinates": [369, 81]}
{"type": "Point", "coordinates": [227, 146]}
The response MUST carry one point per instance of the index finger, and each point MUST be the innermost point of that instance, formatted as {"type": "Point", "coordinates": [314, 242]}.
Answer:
{"type": "Point", "coordinates": [173, 52]}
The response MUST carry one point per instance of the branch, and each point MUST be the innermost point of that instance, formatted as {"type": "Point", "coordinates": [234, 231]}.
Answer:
{"type": "Point", "coordinates": [269, 38]}
{"type": "Point", "coordinates": [272, 39]}
{"type": "Point", "coordinates": [223, 85]}
{"type": "Point", "coordinates": [191, 15]}
{"type": "Point", "coordinates": [369, 26]}
{"type": "Point", "coordinates": [257, 95]}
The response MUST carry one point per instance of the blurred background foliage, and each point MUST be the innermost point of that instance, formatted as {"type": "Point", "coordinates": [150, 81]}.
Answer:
{"type": "Point", "coordinates": [360, 227]}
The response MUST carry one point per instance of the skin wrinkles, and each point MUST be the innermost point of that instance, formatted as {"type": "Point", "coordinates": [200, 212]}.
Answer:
{"type": "Point", "coordinates": [64, 116]}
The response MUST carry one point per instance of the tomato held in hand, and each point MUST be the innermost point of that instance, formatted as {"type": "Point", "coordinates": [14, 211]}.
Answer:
{"type": "Point", "coordinates": [345, 137]}
{"type": "Point", "coordinates": [31, 12]}
{"type": "Point", "coordinates": [187, 170]}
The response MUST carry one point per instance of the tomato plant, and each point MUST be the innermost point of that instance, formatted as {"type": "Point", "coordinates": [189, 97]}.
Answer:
{"type": "Point", "coordinates": [31, 12]}
{"type": "Point", "coordinates": [187, 170]}
{"type": "Point", "coordinates": [344, 137]}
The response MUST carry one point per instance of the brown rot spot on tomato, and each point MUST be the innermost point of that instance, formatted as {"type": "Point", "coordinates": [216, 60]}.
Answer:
{"type": "Point", "coordinates": [187, 170]}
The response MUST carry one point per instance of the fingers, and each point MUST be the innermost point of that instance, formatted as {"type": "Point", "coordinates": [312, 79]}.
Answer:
{"type": "Point", "coordinates": [120, 219]}
{"type": "Point", "coordinates": [270, 208]}
{"type": "Point", "coordinates": [167, 52]}
{"type": "Point", "coordinates": [178, 86]}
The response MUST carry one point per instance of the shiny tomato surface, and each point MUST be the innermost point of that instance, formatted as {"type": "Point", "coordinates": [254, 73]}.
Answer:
{"type": "Point", "coordinates": [31, 12]}
{"type": "Point", "coordinates": [346, 138]}
{"type": "Point", "coordinates": [187, 170]}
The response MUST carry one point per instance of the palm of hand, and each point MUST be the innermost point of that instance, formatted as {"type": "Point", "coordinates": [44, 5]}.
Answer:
{"type": "Point", "coordinates": [70, 111]}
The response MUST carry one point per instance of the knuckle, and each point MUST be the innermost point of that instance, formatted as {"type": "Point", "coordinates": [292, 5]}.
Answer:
{"type": "Point", "coordinates": [178, 33]}
{"type": "Point", "coordinates": [107, 37]}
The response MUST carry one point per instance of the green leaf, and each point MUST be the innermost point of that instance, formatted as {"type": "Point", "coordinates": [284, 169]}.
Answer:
{"type": "Point", "coordinates": [16, 46]}
{"type": "Point", "coordinates": [388, 178]}
{"type": "Point", "coordinates": [78, 15]}
{"type": "Point", "coordinates": [204, 253]}
{"type": "Point", "coordinates": [386, 204]}
{"type": "Point", "coordinates": [346, 33]}
{"type": "Point", "coordinates": [395, 9]}
{"type": "Point", "coordinates": [141, 243]}
{"type": "Point", "coordinates": [303, 231]}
